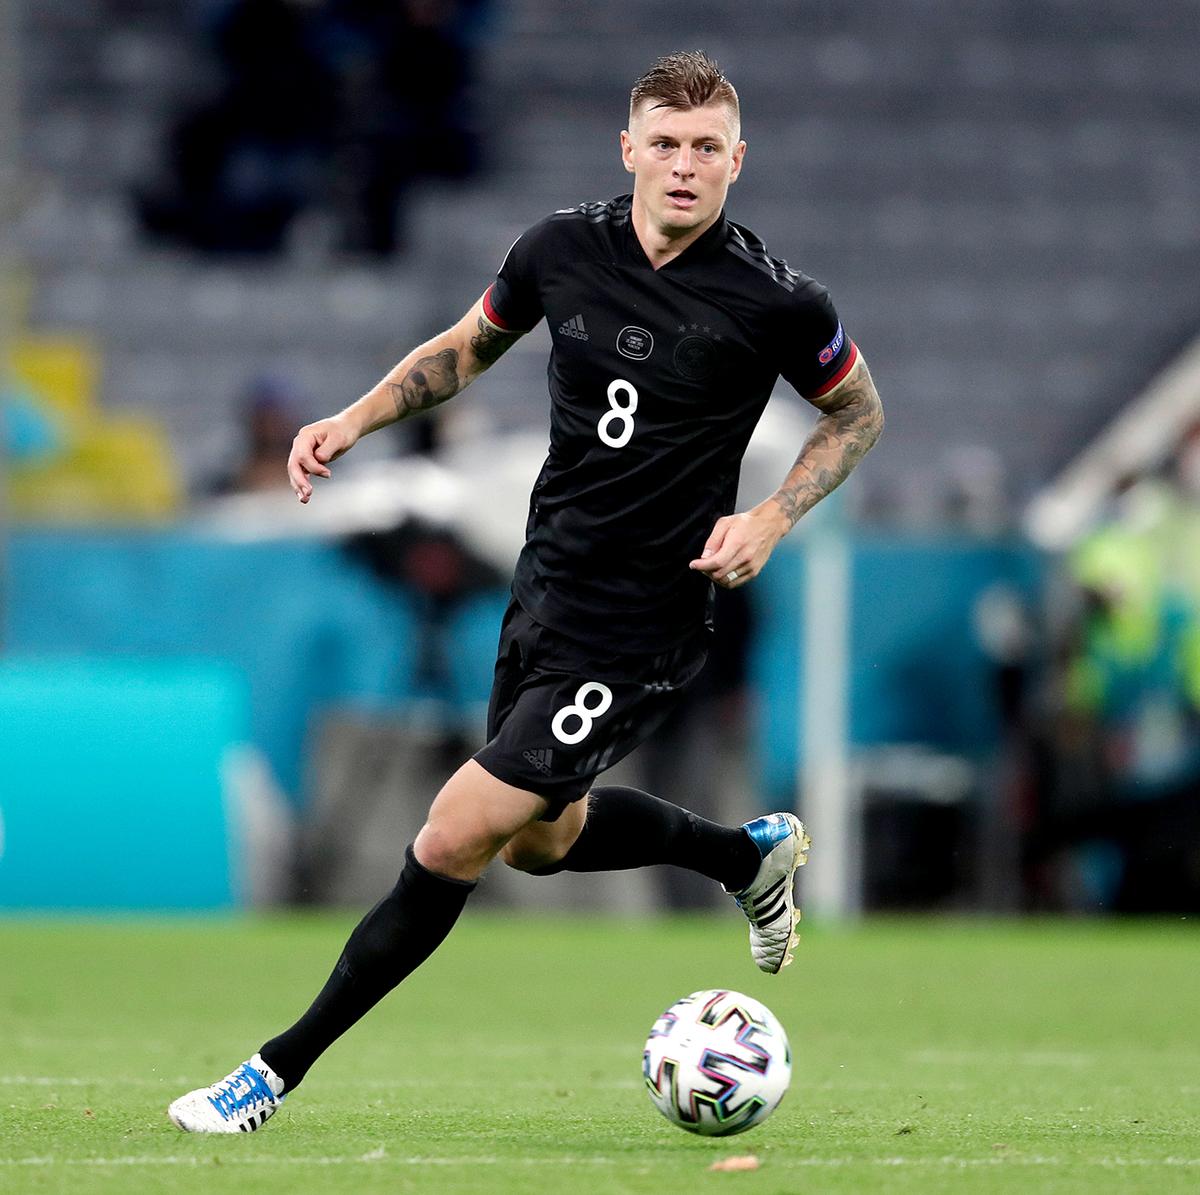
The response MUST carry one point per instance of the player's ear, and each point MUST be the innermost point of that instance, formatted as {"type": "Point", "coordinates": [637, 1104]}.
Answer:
{"type": "Point", "coordinates": [735, 165]}
{"type": "Point", "coordinates": [627, 150]}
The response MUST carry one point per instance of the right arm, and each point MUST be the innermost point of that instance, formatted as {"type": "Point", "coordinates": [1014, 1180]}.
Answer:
{"type": "Point", "coordinates": [428, 376]}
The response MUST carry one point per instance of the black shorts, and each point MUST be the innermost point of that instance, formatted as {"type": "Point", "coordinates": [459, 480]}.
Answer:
{"type": "Point", "coordinates": [562, 712]}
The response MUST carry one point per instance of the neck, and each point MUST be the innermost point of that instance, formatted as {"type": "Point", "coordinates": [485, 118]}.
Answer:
{"type": "Point", "coordinates": [662, 245]}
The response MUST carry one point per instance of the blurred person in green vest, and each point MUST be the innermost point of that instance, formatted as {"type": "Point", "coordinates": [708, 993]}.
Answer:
{"type": "Point", "coordinates": [1134, 675]}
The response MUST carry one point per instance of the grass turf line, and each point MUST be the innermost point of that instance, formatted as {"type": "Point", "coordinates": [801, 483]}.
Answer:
{"type": "Point", "coordinates": [929, 1055]}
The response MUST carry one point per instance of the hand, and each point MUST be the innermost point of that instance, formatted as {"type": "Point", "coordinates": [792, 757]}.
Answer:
{"type": "Point", "coordinates": [740, 545]}
{"type": "Point", "coordinates": [315, 445]}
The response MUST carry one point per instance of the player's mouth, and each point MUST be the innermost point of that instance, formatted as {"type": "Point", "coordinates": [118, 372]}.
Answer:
{"type": "Point", "coordinates": [681, 197]}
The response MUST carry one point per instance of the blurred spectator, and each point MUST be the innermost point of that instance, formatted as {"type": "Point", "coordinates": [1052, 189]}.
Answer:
{"type": "Point", "coordinates": [1007, 633]}
{"type": "Point", "coordinates": [243, 164]}
{"type": "Point", "coordinates": [341, 103]}
{"type": "Point", "coordinates": [402, 71]}
{"type": "Point", "coordinates": [1130, 685]}
{"type": "Point", "coordinates": [268, 422]}
{"type": "Point", "coordinates": [439, 573]}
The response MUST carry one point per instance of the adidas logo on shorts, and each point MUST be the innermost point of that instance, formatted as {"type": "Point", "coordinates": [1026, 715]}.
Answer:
{"type": "Point", "coordinates": [542, 759]}
{"type": "Point", "coordinates": [574, 328]}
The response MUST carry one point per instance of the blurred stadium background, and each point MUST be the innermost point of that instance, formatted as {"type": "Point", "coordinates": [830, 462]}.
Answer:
{"type": "Point", "coordinates": [976, 670]}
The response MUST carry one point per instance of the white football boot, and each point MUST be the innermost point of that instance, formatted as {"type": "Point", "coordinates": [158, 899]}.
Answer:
{"type": "Point", "coordinates": [241, 1102]}
{"type": "Point", "coordinates": [768, 901]}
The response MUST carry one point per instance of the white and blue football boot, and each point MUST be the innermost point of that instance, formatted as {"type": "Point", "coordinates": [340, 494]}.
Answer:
{"type": "Point", "coordinates": [768, 902]}
{"type": "Point", "coordinates": [242, 1102]}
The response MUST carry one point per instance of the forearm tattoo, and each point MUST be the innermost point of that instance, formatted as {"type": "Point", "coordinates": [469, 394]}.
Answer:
{"type": "Point", "coordinates": [430, 381]}
{"type": "Point", "coordinates": [841, 438]}
{"type": "Point", "coordinates": [489, 344]}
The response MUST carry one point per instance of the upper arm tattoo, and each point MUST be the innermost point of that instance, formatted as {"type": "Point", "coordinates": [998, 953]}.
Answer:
{"type": "Point", "coordinates": [846, 430]}
{"type": "Point", "coordinates": [490, 343]}
{"type": "Point", "coordinates": [430, 381]}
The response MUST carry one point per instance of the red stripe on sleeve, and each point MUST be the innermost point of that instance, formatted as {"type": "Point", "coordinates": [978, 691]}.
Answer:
{"type": "Point", "coordinates": [841, 374]}
{"type": "Point", "coordinates": [491, 314]}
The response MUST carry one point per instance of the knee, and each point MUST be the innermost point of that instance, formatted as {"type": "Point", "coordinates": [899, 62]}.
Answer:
{"type": "Point", "coordinates": [445, 851]}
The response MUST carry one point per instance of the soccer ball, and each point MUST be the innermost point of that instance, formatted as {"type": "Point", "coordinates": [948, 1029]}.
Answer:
{"type": "Point", "coordinates": [717, 1063]}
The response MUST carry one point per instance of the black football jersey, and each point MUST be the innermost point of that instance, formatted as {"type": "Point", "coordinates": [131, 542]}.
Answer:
{"type": "Point", "coordinates": [657, 379]}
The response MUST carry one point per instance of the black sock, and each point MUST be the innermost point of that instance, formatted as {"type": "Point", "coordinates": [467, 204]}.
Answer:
{"type": "Point", "coordinates": [628, 828]}
{"type": "Point", "coordinates": [391, 941]}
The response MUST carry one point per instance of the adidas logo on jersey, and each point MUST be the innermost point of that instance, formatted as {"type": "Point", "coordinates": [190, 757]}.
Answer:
{"type": "Point", "coordinates": [541, 759]}
{"type": "Point", "coordinates": [574, 328]}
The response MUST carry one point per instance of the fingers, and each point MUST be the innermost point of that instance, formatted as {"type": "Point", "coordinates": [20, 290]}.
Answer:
{"type": "Point", "coordinates": [736, 576]}
{"type": "Point", "coordinates": [736, 551]}
{"type": "Point", "coordinates": [305, 462]}
{"type": "Point", "coordinates": [727, 559]}
{"type": "Point", "coordinates": [711, 557]}
{"type": "Point", "coordinates": [717, 537]}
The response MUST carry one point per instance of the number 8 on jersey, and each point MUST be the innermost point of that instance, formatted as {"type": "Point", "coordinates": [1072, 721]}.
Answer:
{"type": "Point", "coordinates": [581, 710]}
{"type": "Point", "coordinates": [619, 413]}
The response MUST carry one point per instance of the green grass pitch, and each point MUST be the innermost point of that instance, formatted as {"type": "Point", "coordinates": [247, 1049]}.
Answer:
{"type": "Point", "coordinates": [929, 1056]}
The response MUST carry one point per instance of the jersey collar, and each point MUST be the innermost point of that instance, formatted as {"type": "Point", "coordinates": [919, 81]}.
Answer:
{"type": "Point", "coordinates": [700, 249]}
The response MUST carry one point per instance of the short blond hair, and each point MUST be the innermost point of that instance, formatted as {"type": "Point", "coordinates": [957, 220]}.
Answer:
{"type": "Point", "coordinates": [688, 79]}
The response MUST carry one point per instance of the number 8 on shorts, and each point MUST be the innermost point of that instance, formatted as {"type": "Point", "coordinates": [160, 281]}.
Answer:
{"type": "Point", "coordinates": [581, 710]}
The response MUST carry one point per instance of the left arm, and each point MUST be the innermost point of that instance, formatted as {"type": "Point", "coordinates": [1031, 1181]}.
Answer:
{"type": "Point", "coordinates": [851, 420]}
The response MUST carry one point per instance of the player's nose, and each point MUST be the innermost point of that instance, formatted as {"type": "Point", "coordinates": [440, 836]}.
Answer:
{"type": "Point", "coordinates": [683, 163]}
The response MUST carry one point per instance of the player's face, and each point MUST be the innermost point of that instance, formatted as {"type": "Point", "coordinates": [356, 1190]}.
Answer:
{"type": "Point", "coordinates": [682, 162]}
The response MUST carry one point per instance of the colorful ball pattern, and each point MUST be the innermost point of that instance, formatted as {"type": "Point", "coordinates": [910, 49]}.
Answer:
{"type": "Point", "coordinates": [717, 1063]}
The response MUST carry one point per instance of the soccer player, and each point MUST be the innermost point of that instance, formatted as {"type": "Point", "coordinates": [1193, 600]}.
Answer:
{"type": "Point", "coordinates": [670, 326]}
